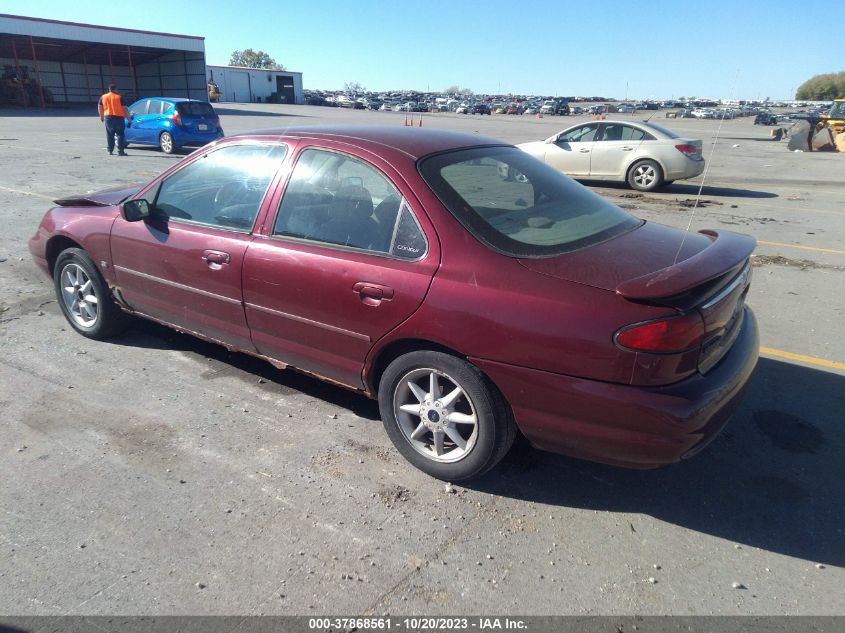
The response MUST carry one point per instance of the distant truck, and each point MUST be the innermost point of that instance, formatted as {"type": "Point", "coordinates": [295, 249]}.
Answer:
{"type": "Point", "coordinates": [555, 106]}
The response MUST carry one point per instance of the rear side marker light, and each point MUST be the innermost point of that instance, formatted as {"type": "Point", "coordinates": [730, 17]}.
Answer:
{"type": "Point", "coordinates": [664, 336]}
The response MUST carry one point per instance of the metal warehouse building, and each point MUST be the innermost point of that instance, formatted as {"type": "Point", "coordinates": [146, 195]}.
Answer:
{"type": "Point", "coordinates": [251, 85]}
{"type": "Point", "coordinates": [48, 61]}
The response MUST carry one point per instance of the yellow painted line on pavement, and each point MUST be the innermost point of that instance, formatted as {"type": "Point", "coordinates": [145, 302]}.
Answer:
{"type": "Point", "coordinates": [802, 358]}
{"type": "Point", "coordinates": [805, 248]}
{"type": "Point", "coordinates": [27, 193]}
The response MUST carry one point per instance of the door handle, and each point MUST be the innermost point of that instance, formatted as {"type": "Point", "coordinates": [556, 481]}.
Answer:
{"type": "Point", "coordinates": [584, 151]}
{"type": "Point", "coordinates": [216, 259]}
{"type": "Point", "coordinates": [372, 294]}
{"type": "Point", "coordinates": [627, 148]}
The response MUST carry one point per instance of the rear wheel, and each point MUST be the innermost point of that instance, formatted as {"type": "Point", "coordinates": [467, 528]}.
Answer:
{"type": "Point", "coordinates": [444, 415]}
{"type": "Point", "coordinates": [85, 298]}
{"type": "Point", "coordinates": [645, 175]}
{"type": "Point", "coordinates": [165, 142]}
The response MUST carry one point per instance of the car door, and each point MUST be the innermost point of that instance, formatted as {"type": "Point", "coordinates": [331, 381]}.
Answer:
{"type": "Point", "coordinates": [346, 259]}
{"type": "Point", "coordinates": [615, 146]}
{"type": "Point", "coordinates": [571, 152]}
{"type": "Point", "coordinates": [183, 264]}
{"type": "Point", "coordinates": [146, 125]}
{"type": "Point", "coordinates": [138, 110]}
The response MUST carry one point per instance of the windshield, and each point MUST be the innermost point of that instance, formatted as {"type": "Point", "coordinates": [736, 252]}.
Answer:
{"type": "Point", "coordinates": [518, 205]}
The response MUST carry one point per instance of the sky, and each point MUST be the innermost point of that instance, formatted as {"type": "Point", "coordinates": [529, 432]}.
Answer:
{"type": "Point", "coordinates": [638, 50]}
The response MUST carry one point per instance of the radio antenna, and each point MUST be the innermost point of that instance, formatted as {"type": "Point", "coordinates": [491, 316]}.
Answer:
{"type": "Point", "coordinates": [704, 176]}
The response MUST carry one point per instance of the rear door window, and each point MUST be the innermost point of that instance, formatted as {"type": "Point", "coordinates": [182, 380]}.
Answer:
{"type": "Point", "coordinates": [340, 200]}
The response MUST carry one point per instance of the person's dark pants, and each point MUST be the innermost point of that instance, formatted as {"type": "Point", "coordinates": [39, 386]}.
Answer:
{"type": "Point", "coordinates": [115, 127]}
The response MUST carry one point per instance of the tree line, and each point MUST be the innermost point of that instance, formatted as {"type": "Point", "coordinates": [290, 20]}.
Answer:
{"type": "Point", "coordinates": [822, 88]}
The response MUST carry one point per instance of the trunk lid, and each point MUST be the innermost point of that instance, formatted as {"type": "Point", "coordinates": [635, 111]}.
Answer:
{"type": "Point", "coordinates": [712, 276]}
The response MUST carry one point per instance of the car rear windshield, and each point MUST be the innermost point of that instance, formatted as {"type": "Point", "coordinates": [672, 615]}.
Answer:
{"type": "Point", "coordinates": [520, 206]}
{"type": "Point", "coordinates": [195, 108]}
{"type": "Point", "coordinates": [663, 130]}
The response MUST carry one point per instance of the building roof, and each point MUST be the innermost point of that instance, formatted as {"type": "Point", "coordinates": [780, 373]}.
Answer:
{"type": "Point", "coordinates": [60, 30]}
{"type": "Point", "coordinates": [269, 70]}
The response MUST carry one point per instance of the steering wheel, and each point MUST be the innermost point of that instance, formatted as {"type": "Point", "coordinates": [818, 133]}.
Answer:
{"type": "Point", "coordinates": [229, 194]}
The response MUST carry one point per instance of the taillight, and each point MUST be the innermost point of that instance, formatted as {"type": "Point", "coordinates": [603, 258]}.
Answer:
{"type": "Point", "coordinates": [664, 336]}
{"type": "Point", "coordinates": [687, 149]}
{"type": "Point", "coordinates": [176, 118]}
{"type": "Point", "coordinates": [216, 121]}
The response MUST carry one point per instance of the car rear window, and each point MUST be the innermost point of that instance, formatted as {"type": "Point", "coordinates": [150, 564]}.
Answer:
{"type": "Point", "coordinates": [194, 108]}
{"type": "Point", "coordinates": [520, 206]}
{"type": "Point", "coordinates": [663, 130]}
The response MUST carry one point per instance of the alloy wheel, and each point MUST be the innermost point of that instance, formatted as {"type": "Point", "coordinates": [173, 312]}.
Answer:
{"type": "Point", "coordinates": [435, 415]}
{"type": "Point", "coordinates": [79, 296]}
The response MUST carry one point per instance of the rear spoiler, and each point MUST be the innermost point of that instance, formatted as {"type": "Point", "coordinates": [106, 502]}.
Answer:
{"type": "Point", "coordinates": [726, 252]}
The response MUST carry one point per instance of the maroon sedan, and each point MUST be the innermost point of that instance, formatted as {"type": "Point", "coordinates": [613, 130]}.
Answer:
{"type": "Point", "coordinates": [399, 263]}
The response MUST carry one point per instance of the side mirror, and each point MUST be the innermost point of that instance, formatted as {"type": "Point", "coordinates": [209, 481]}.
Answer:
{"type": "Point", "coordinates": [135, 210]}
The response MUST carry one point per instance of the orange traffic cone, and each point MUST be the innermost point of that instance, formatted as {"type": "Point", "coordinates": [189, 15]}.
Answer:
{"type": "Point", "coordinates": [412, 119]}
{"type": "Point", "coordinates": [406, 118]}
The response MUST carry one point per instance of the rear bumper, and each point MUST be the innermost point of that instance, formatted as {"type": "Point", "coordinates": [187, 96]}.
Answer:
{"type": "Point", "coordinates": [636, 427]}
{"type": "Point", "coordinates": [688, 169]}
{"type": "Point", "coordinates": [185, 137]}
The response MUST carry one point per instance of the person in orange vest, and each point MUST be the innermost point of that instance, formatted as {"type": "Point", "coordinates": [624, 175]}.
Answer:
{"type": "Point", "coordinates": [112, 112]}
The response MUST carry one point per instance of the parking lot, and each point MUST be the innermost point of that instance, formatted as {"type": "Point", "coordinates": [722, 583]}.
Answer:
{"type": "Point", "coordinates": [157, 474]}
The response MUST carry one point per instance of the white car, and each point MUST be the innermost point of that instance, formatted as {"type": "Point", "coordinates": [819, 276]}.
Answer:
{"type": "Point", "coordinates": [644, 155]}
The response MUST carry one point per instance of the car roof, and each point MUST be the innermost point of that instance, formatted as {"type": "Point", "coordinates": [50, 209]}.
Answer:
{"type": "Point", "coordinates": [173, 99]}
{"type": "Point", "coordinates": [415, 142]}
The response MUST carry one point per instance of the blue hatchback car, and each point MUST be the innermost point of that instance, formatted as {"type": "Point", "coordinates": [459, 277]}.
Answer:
{"type": "Point", "coordinates": [172, 123]}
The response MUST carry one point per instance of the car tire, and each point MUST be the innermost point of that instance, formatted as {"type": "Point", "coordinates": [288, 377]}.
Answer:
{"type": "Point", "coordinates": [454, 440]}
{"type": "Point", "coordinates": [645, 175]}
{"type": "Point", "coordinates": [84, 297]}
{"type": "Point", "coordinates": [166, 143]}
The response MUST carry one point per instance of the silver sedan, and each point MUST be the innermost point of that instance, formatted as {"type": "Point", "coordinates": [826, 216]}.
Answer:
{"type": "Point", "coordinates": [644, 155]}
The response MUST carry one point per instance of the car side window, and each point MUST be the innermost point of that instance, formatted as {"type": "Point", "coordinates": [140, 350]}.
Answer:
{"type": "Point", "coordinates": [581, 134]}
{"type": "Point", "coordinates": [223, 188]}
{"type": "Point", "coordinates": [340, 200]}
{"type": "Point", "coordinates": [157, 106]}
{"type": "Point", "coordinates": [139, 108]}
{"type": "Point", "coordinates": [619, 132]}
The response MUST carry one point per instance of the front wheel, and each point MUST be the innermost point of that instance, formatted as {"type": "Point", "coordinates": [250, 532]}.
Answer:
{"type": "Point", "coordinates": [165, 142]}
{"type": "Point", "coordinates": [645, 175]}
{"type": "Point", "coordinates": [85, 298]}
{"type": "Point", "coordinates": [444, 415]}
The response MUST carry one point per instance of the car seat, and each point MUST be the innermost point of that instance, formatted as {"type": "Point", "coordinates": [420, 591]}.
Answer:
{"type": "Point", "coordinates": [350, 218]}
{"type": "Point", "coordinates": [613, 133]}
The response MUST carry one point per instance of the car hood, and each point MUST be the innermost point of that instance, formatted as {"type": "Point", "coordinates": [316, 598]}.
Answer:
{"type": "Point", "coordinates": [104, 198]}
{"type": "Point", "coordinates": [641, 264]}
